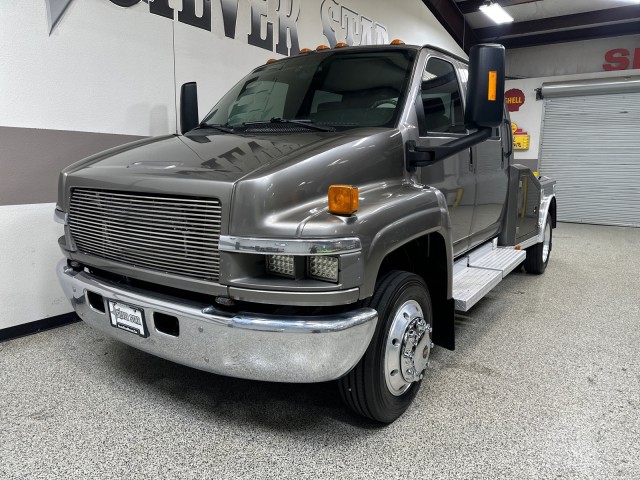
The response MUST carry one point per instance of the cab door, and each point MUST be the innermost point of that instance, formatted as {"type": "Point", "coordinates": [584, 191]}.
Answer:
{"type": "Point", "coordinates": [491, 161]}
{"type": "Point", "coordinates": [441, 120]}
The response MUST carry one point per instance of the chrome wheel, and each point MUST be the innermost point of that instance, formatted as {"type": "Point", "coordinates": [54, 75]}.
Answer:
{"type": "Point", "coordinates": [387, 378]}
{"type": "Point", "coordinates": [546, 245]}
{"type": "Point", "coordinates": [407, 348]}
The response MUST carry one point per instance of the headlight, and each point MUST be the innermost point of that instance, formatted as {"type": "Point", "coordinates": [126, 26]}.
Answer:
{"type": "Point", "coordinates": [281, 265]}
{"type": "Point", "coordinates": [320, 267]}
{"type": "Point", "coordinates": [323, 268]}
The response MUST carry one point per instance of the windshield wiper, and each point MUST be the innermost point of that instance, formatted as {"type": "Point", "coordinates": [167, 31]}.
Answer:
{"type": "Point", "coordinates": [218, 127]}
{"type": "Point", "coordinates": [303, 123]}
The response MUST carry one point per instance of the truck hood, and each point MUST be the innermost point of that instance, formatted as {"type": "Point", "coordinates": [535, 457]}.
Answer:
{"type": "Point", "coordinates": [214, 157]}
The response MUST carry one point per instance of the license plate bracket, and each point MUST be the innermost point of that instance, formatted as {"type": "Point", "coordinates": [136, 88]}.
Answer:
{"type": "Point", "coordinates": [127, 317]}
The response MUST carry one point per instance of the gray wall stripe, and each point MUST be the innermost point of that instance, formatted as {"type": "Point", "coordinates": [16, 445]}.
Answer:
{"type": "Point", "coordinates": [31, 159]}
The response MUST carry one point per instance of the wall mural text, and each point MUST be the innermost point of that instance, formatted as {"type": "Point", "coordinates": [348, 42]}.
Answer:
{"type": "Point", "coordinates": [340, 21]}
{"type": "Point", "coordinates": [277, 34]}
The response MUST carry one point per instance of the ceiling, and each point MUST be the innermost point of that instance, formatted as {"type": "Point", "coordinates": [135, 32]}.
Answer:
{"type": "Point", "coordinates": [538, 22]}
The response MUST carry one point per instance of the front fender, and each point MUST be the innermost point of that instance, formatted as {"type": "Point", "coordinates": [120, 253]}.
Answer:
{"type": "Point", "coordinates": [391, 217]}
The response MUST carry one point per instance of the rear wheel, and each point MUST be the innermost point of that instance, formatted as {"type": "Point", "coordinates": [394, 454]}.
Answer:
{"type": "Point", "coordinates": [385, 381]}
{"type": "Point", "coordinates": [538, 254]}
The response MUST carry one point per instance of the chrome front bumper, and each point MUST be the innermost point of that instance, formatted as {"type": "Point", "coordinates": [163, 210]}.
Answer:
{"type": "Point", "coordinates": [299, 349]}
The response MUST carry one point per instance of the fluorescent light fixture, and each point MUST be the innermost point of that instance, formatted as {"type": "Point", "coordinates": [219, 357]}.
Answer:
{"type": "Point", "coordinates": [496, 13]}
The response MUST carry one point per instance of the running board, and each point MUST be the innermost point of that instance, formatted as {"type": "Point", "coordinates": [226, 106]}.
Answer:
{"type": "Point", "coordinates": [476, 274]}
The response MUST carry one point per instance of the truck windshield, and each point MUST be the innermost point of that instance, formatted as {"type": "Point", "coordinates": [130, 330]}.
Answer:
{"type": "Point", "coordinates": [335, 89]}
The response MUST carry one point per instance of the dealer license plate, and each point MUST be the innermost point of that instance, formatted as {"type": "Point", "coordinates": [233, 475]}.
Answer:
{"type": "Point", "coordinates": [127, 318]}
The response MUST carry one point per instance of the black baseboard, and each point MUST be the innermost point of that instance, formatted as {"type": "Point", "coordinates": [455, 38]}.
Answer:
{"type": "Point", "coordinates": [37, 326]}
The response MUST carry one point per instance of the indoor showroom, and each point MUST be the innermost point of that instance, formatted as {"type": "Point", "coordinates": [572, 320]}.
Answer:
{"type": "Point", "coordinates": [320, 239]}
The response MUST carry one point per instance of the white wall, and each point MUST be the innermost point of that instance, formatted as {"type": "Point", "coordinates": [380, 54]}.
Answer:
{"type": "Point", "coordinates": [529, 117]}
{"type": "Point", "coordinates": [103, 69]}
{"type": "Point", "coordinates": [28, 286]}
{"type": "Point", "coordinates": [586, 56]}
{"type": "Point", "coordinates": [110, 69]}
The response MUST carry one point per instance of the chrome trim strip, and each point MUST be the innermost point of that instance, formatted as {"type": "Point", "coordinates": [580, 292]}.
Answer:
{"type": "Point", "coordinates": [60, 217]}
{"type": "Point", "coordinates": [528, 243]}
{"type": "Point", "coordinates": [276, 348]}
{"type": "Point", "coordinates": [322, 246]}
{"type": "Point", "coordinates": [544, 213]}
{"type": "Point", "coordinates": [295, 324]}
{"type": "Point", "coordinates": [272, 297]}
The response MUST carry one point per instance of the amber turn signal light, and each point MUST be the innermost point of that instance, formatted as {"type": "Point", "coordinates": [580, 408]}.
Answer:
{"type": "Point", "coordinates": [343, 199]}
{"type": "Point", "coordinates": [493, 86]}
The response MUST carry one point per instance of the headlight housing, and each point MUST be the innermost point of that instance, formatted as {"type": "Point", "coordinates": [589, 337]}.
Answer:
{"type": "Point", "coordinates": [319, 267]}
{"type": "Point", "coordinates": [283, 265]}
{"type": "Point", "coordinates": [323, 267]}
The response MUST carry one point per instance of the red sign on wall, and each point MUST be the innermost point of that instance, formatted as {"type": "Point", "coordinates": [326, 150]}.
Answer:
{"type": "Point", "coordinates": [621, 59]}
{"type": "Point", "coordinates": [514, 99]}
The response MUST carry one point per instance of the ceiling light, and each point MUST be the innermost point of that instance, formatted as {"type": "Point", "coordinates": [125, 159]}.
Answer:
{"type": "Point", "coordinates": [495, 12]}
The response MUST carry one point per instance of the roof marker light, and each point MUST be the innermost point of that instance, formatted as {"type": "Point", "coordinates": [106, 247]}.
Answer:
{"type": "Point", "coordinates": [305, 50]}
{"type": "Point", "coordinates": [321, 47]}
{"type": "Point", "coordinates": [397, 41]}
{"type": "Point", "coordinates": [341, 44]}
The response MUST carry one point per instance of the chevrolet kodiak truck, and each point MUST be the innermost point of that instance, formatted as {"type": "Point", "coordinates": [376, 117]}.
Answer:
{"type": "Point", "coordinates": [324, 221]}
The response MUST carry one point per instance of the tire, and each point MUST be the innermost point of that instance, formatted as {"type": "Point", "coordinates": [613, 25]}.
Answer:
{"type": "Point", "coordinates": [538, 254]}
{"type": "Point", "coordinates": [384, 383]}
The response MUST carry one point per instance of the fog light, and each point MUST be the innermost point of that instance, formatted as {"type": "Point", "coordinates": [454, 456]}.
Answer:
{"type": "Point", "coordinates": [281, 265]}
{"type": "Point", "coordinates": [323, 268]}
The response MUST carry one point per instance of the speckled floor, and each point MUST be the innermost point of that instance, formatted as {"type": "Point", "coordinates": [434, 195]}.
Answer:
{"type": "Point", "coordinates": [545, 383]}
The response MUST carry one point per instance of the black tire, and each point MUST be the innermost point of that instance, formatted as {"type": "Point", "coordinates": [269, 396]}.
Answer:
{"type": "Point", "coordinates": [364, 389]}
{"type": "Point", "coordinates": [536, 261]}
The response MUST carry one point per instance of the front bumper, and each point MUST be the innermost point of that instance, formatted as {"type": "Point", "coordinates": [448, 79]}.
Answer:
{"type": "Point", "coordinates": [299, 349]}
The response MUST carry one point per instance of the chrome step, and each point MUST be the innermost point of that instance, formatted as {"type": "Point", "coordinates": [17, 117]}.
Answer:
{"type": "Point", "coordinates": [476, 274]}
{"type": "Point", "coordinates": [503, 259]}
{"type": "Point", "coordinates": [471, 284]}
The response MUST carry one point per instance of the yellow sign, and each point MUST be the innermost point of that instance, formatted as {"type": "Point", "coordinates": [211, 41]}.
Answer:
{"type": "Point", "coordinates": [521, 141]}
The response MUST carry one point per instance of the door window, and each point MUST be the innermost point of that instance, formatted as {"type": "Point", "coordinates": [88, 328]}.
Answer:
{"type": "Point", "coordinates": [441, 99]}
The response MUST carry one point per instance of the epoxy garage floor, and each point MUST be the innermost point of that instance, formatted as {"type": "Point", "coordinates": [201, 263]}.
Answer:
{"type": "Point", "coordinates": [545, 383]}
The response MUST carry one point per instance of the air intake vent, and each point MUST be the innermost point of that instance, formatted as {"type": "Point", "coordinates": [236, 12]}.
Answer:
{"type": "Point", "coordinates": [170, 234]}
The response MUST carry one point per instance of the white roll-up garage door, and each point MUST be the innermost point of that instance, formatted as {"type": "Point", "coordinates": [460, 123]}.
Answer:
{"type": "Point", "coordinates": [591, 146]}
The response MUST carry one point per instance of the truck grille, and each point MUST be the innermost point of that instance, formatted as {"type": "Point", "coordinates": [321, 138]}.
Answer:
{"type": "Point", "coordinates": [176, 235]}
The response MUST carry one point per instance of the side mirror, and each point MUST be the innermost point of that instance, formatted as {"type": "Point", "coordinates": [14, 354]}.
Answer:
{"type": "Point", "coordinates": [188, 107]}
{"type": "Point", "coordinates": [485, 89]}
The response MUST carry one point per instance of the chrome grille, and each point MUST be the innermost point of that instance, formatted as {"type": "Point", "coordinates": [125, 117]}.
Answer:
{"type": "Point", "coordinates": [177, 235]}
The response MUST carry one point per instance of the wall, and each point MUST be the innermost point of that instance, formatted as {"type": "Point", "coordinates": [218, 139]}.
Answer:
{"type": "Point", "coordinates": [77, 77]}
{"type": "Point", "coordinates": [587, 56]}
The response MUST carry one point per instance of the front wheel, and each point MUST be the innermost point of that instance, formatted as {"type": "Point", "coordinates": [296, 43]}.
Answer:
{"type": "Point", "coordinates": [538, 254]}
{"type": "Point", "coordinates": [385, 381]}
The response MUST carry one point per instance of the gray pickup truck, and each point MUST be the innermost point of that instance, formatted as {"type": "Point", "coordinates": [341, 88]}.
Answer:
{"type": "Point", "coordinates": [323, 222]}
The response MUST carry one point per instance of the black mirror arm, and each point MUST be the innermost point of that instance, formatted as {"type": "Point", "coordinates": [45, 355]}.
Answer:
{"type": "Point", "coordinates": [423, 156]}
